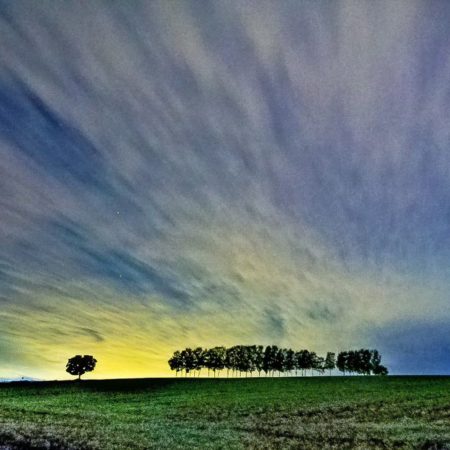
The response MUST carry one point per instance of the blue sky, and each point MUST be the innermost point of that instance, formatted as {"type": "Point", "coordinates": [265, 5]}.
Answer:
{"type": "Point", "coordinates": [204, 173]}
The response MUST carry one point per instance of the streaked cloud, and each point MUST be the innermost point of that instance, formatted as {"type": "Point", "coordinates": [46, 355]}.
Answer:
{"type": "Point", "coordinates": [201, 173]}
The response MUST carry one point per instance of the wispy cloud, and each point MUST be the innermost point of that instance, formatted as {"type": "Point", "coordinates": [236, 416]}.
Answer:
{"type": "Point", "coordinates": [190, 172]}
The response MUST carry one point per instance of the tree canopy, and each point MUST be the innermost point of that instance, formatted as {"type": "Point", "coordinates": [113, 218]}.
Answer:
{"type": "Point", "coordinates": [80, 364]}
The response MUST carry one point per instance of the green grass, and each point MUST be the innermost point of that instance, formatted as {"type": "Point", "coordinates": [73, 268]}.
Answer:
{"type": "Point", "coordinates": [301, 413]}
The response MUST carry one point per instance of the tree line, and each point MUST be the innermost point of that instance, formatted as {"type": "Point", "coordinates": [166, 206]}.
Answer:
{"type": "Point", "coordinates": [269, 360]}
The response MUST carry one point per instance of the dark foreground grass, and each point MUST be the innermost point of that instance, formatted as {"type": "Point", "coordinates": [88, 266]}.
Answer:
{"type": "Point", "coordinates": [301, 413]}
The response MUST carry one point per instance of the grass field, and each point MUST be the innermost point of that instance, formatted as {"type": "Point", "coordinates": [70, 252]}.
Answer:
{"type": "Point", "coordinates": [303, 413]}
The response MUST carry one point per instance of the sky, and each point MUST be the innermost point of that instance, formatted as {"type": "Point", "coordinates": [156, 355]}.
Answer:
{"type": "Point", "coordinates": [201, 173]}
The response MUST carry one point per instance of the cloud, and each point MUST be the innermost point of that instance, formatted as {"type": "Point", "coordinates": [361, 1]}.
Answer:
{"type": "Point", "coordinates": [209, 174]}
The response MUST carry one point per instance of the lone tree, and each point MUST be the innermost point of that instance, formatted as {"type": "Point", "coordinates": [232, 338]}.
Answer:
{"type": "Point", "coordinates": [79, 365]}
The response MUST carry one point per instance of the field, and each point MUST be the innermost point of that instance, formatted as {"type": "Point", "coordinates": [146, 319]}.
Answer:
{"type": "Point", "coordinates": [302, 413]}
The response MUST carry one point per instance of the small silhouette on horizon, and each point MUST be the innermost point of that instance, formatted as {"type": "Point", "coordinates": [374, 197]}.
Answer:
{"type": "Point", "coordinates": [80, 364]}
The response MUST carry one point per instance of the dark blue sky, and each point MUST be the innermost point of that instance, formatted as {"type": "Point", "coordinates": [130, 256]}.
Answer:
{"type": "Point", "coordinates": [214, 173]}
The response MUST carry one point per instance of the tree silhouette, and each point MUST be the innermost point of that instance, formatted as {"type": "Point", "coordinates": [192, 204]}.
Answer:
{"type": "Point", "coordinates": [188, 360]}
{"type": "Point", "coordinates": [380, 370]}
{"type": "Point", "coordinates": [330, 361]}
{"type": "Point", "coordinates": [243, 362]}
{"type": "Point", "coordinates": [250, 355]}
{"type": "Point", "coordinates": [375, 361]}
{"type": "Point", "coordinates": [365, 361]}
{"type": "Point", "coordinates": [199, 359]}
{"type": "Point", "coordinates": [352, 361]}
{"type": "Point", "coordinates": [377, 367]}
{"type": "Point", "coordinates": [269, 358]}
{"type": "Point", "coordinates": [176, 363]}
{"type": "Point", "coordinates": [289, 360]}
{"type": "Point", "coordinates": [215, 359]}
{"type": "Point", "coordinates": [317, 363]}
{"type": "Point", "coordinates": [303, 360]}
{"type": "Point", "coordinates": [79, 365]}
{"type": "Point", "coordinates": [279, 359]}
{"type": "Point", "coordinates": [259, 358]}
{"type": "Point", "coordinates": [341, 362]}
{"type": "Point", "coordinates": [231, 359]}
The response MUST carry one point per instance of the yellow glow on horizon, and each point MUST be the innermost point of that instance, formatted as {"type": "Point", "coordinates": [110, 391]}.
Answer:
{"type": "Point", "coordinates": [268, 292]}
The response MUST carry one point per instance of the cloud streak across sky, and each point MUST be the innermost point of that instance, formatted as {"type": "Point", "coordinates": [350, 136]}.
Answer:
{"type": "Point", "coordinates": [207, 173]}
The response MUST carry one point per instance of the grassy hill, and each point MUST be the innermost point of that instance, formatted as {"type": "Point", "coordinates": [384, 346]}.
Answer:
{"type": "Point", "coordinates": [303, 413]}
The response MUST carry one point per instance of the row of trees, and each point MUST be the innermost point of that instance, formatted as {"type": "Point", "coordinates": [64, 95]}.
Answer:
{"type": "Point", "coordinates": [362, 361]}
{"type": "Point", "coordinates": [255, 358]}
